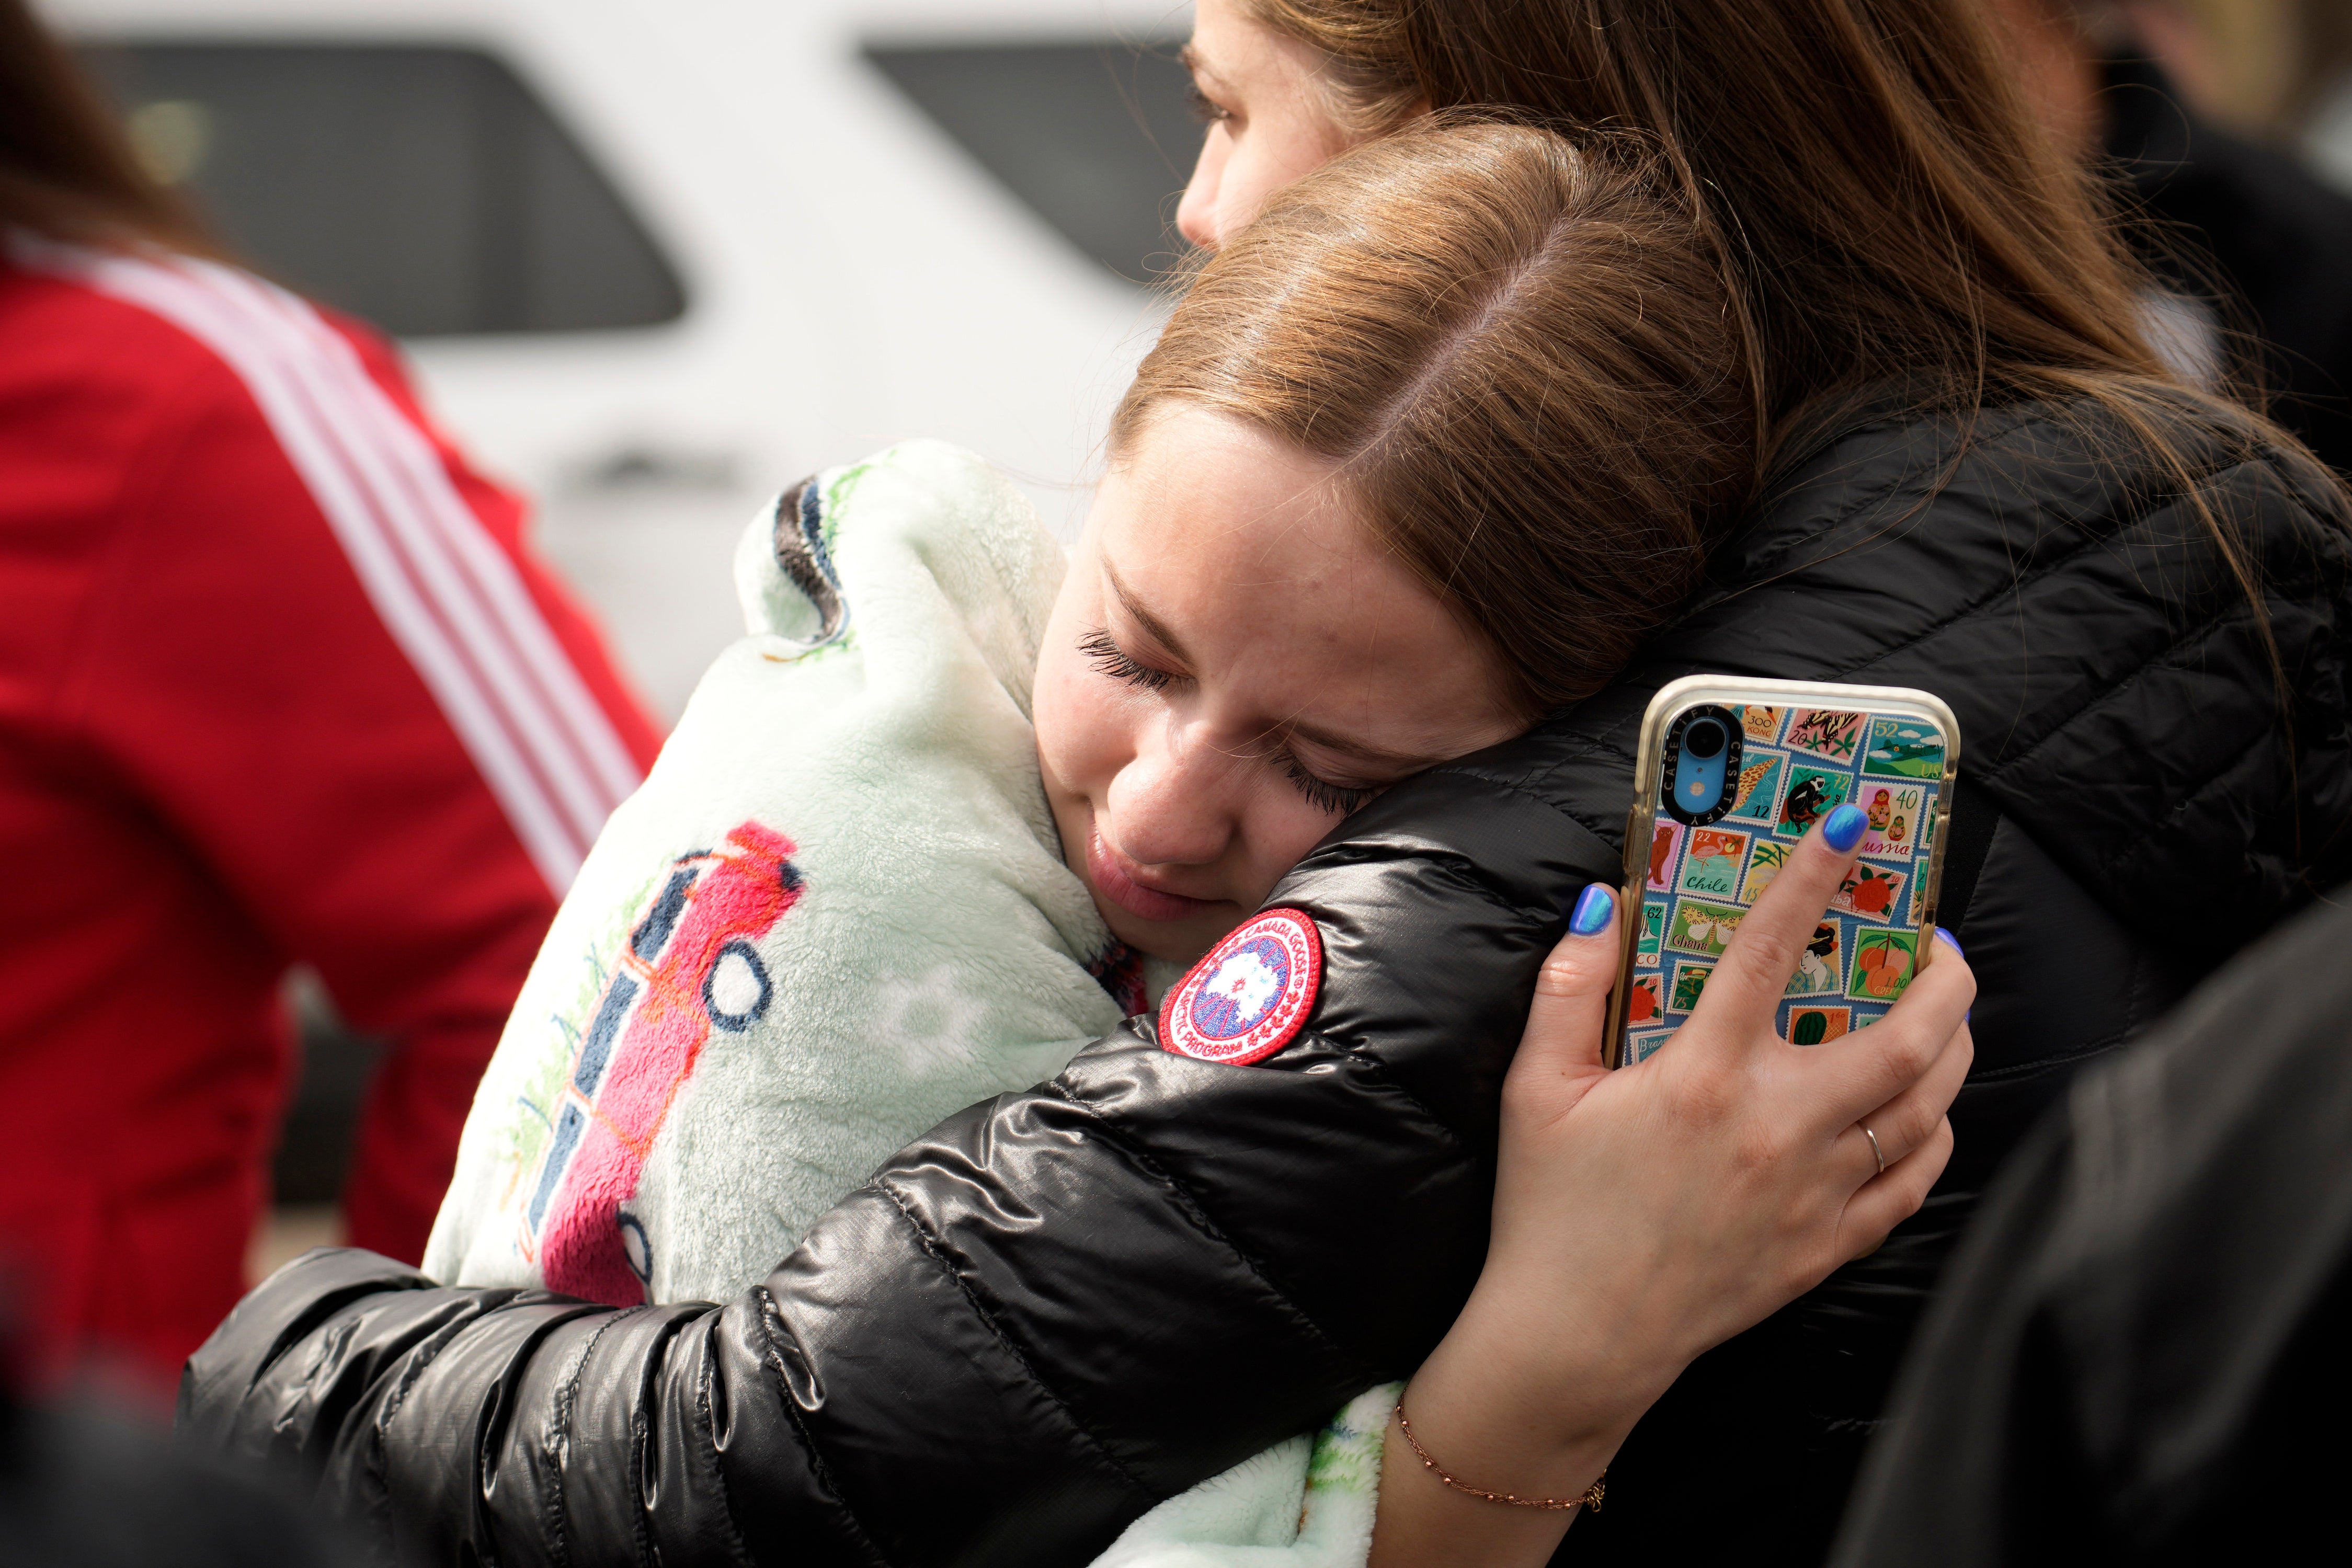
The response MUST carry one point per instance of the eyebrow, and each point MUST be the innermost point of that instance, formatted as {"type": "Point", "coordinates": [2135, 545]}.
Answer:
{"type": "Point", "coordinates": [1194, 60]}
{"type": "Point", "coordinates": [1153, 627]}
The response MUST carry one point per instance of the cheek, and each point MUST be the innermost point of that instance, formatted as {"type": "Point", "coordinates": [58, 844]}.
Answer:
{"type": "Point", "coordinates": [1277, 153]}
{"type": "Point", "coordinates": [1279, 827]}
{"type": "Point", "coordinates": [1082, 735]}
{"type": "Point", "coordinates": [1250, 177]}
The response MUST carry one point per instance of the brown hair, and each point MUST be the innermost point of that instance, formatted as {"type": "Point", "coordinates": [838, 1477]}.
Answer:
{"type": "Point", "coordinates": [1515, 347]}
{"type": "Point", "coordinates": [1887, 212]}
{"type": "Point", "coordinates": [1886, 207]}
{"type": "Point", "coordinates": [67, 171]}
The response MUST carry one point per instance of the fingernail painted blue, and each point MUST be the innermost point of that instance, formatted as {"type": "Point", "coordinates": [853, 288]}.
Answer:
{"type": "Point", "coordinates": [1948, 940]}
{"type": "Point", "coordinates": [1842, 828]}
{"type": "Point", "coordinates": [1593, 908]}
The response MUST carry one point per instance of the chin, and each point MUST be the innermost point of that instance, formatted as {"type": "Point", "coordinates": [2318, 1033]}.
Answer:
{"type": "Point", "coordinates": [1174, 942]}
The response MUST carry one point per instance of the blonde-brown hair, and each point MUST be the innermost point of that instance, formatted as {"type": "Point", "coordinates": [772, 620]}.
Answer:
{"type": "Point", "coordinates": [1888, 213]}
{"type": "Point", "coordinates": [1886, 206]}
{"type": "Point", "coordinates": [1515, 349]}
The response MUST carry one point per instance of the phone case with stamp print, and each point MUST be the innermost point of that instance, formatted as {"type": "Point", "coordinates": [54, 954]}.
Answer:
{"type": "Point", "coordinates": [1796, 751]}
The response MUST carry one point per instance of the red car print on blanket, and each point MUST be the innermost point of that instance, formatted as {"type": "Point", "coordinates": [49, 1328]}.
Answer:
{"type": "Point", "coordinates": [690, 967]}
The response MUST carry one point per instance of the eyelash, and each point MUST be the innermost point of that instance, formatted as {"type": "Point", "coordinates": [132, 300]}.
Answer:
{"type": "Point", "coordinates": [1332, 799]}
{"type": "Point", "coordinates": [1208, 110]}
{"type": "Point", "coordinates": [1111, 660]}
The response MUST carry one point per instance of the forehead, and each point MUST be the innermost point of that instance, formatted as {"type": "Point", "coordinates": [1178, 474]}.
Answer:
{"type": "Point", "coordinates": [1241, 52]}
{"type": "Point", "coordinates": [1253, 555]}
{"type": "Point", "coordinates": [1222, 38]}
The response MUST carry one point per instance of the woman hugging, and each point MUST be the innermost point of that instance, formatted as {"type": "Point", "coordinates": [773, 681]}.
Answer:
{"type": "Point", "coordinates": [1153, 1003]}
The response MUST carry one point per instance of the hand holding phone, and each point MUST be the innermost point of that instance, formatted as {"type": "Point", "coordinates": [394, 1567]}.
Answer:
{"type": "Point", "coordinates": [1761, 1167]}
{"type": "Point", "coordinates": [1730, 775]}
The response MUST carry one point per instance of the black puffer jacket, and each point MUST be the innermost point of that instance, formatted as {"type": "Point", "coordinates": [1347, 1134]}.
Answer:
{"type": "Point", "coordinates": [1064, 1305]}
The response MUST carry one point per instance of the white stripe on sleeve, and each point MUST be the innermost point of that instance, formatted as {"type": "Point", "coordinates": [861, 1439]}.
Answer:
{"type": "Point", "coordinates": [450, 597]}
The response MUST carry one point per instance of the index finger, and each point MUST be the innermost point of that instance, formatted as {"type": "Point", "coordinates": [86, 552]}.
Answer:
{"type": "Point", "coordinates": [1754, 971]}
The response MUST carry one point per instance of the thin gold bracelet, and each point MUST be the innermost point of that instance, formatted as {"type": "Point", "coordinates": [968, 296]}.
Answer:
{"type": "Point", "coordinates": [1591, 1498]}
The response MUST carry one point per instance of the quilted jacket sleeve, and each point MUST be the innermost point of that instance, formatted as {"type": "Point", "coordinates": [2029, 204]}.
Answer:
{"type": "Point", "coordinates": [1056, 1310]}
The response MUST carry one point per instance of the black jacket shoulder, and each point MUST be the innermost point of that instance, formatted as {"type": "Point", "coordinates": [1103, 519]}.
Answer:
{"type": "Point", "coordinates": [2173, 740]}
{"type": "Point", "coordinates": [1062, 1306]}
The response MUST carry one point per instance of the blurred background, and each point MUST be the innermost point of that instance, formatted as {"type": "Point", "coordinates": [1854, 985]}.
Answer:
{"type": "Point", "coordinates": [655, 261]}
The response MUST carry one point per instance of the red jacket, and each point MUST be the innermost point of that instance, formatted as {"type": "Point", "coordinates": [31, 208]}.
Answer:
{"type": "Point", "coordinates": [278, 680]}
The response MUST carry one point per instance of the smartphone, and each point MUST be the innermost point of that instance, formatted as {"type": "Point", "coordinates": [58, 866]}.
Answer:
{"type": "Point", "coordinates": [1729, 775]}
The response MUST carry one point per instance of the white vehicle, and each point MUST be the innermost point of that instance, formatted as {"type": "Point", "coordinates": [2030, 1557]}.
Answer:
{"type": "Point", "coordinates": [655, 261]}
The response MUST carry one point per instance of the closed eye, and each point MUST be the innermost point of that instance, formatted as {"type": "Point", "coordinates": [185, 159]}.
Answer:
{"type": "Point", "coordinates": [1332, 799]}
{"type": "Point", "coordinates": [1113, 661]}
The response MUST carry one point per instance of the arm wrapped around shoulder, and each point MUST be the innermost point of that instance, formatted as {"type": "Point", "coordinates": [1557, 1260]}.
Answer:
{"type": "Point", "coordinates": [1057, 1309]}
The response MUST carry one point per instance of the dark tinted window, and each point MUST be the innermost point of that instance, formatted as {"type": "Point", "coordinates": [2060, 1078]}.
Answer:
{"type": "Point", "coordinates": [425, 189]}
{"type": "Point", "coordinates": [1098, 138]}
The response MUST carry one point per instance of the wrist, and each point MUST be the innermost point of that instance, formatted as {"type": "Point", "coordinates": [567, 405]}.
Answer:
{"type": "Point", "coordinates": [1511, 1410]}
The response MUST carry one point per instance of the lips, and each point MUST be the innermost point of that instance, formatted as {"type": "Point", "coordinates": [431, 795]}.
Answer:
{"type": "Point", "coordinates": [1108, 871]}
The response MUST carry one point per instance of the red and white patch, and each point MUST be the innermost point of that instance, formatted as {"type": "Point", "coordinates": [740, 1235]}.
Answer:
{"type": "Point", "coordinates": [1250, 996]}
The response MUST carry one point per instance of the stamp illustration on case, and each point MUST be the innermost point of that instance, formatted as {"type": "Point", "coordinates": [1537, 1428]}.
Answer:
{"type": "Point", "coordinates": [1711, 863]}
{"type": "Point", "coordinates": [1764, 864]}
{"type": "Point", "coordinates": [1762, 724]}
{"type": "Point", "coordinates": [1653, 930]}
{"type": "Point", "coordinates": [1758, 795]}
{"type": "Point", "coordinates": [1690, 981]}
{"type": "Point", "coordinates": [1881, 964]}
{"type": "Point", "coordinates": [1872, 893]}
{"type": "Point", "coordinates": [1812, 1024]}
{"type": "Point", "coordinates": [1646, 1002]}
{"type": "Point", "coordinates": [1703, 927]}
{"type": "Point", "coordinates": [1893, 811]}
{"type": "Point", "coordinates": [1827, 733]}
{"type": "Point", "coordinates": [1813, 793]}
{"type": "Point", "coordinates": [1251, 995]}
{"type": "Point", "coordinates": [1665, 840]}
{"type": "Point", "coordinates": [1818, 972]}
{"type": "Point", "coordinates": [1904, 749]}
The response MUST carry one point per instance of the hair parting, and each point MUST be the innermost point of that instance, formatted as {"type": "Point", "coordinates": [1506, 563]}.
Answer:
{"type": "Point", "coordinates": [1510, 344]}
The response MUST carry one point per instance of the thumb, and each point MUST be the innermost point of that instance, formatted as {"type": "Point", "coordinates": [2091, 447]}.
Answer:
{"type": "Point", "coordinates": [1560, 1053]}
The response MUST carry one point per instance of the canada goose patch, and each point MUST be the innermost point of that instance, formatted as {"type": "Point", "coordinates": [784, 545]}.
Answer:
{"type": "Point", "coordinates": [1251, 995]}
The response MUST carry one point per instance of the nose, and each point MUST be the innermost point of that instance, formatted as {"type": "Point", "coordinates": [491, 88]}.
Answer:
{"type": "Point", "coordinates": [1196, 214]}
{"type": "Point", "coordinates": [1177, 802]}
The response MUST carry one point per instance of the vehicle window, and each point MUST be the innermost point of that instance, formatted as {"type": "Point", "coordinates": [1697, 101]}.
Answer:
{"type": "Point", "coordinates": [1096, 139]}
{"type": "Point", "coordinates": [425, 189]}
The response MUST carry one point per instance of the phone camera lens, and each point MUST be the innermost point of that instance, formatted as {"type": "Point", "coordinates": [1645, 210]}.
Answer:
{"type": "Point", "coordinates": [1704, 739]}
